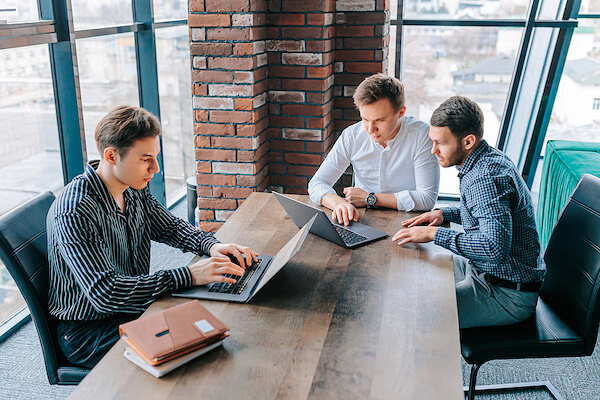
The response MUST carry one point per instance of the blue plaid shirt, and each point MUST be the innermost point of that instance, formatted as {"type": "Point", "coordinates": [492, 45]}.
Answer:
{"type": "Point", "coordinates": [500, 236]}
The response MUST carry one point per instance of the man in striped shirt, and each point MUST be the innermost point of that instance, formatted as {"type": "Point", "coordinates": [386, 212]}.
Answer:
{"type": "Point", "coordinates": [498, 267]}
{"type": "Point", "coordinates": [99, 233]}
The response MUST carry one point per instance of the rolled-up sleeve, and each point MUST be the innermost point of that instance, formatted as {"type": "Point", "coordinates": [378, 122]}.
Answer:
{"type": "Point", "coordinates": [334, 165]}
{"type": "Point", "coordinates": [427, 178]}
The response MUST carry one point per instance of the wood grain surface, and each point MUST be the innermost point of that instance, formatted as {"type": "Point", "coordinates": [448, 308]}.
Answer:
{"type": "Point", "coordinates": [377, 322]}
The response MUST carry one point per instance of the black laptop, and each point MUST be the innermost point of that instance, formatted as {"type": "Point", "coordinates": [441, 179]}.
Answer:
{"type": "Point", "coordinates": [255, 277]}
{"type": "Point", "coordinates": [353, 235]}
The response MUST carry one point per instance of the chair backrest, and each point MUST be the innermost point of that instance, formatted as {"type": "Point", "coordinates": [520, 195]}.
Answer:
{"type": "Point", "coordinates": [24, 251]}
{"type": "Point", "coordinates": [573, 261]}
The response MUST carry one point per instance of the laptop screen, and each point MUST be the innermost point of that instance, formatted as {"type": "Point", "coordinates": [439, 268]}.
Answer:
{"type": "Point", "coordinates": [286, 253]}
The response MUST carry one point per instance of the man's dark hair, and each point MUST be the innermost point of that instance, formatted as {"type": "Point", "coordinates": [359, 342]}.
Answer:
{"type": "Point", "coordinates": [461, 115]}
{"type": "Point", "coordinates": [122, 126]}
{"type": "Point", "coordinates": [377, 87]}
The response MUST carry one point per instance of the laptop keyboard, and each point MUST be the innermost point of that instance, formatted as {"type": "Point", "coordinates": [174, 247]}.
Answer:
{"type": "Point", "coordinates": [238, 287]}
{"type": "Point", "coordinates": [350, 237]}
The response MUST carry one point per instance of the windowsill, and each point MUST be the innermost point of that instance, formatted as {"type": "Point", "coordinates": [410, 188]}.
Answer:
{"type": "Point", "coordinates": [13, 323]}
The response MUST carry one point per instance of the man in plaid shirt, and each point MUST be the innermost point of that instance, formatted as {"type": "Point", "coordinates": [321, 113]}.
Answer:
{"type": "Point", "coordinates": [497, 263]}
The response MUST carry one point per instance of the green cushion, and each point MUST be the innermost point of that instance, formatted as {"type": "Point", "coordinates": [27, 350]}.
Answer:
{"type": "Point", "coordinates": [564, 164]}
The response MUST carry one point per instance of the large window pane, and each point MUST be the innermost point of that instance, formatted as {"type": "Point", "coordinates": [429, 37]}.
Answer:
{"type": "Point", "coordinates": [576, 112]}
{"type": "Point", "coordinates": [29, 149]}
{"type": "Point", "coordinates": [589, 7]}
{"type": "Point", "coordinates": [174, 80]}
{"type": "Point", "coordinates": [108, 78]}
{"type": "Point", "coordinates": [93, 14]}
{"type": "Point", "coordinates": [486, 9]}
{"type": "Point", "coordinates": [18, 11]}
{"type": "Point", "coordinates": [439, 62]}
{"type": "Point", "coordinates": [170, 9]}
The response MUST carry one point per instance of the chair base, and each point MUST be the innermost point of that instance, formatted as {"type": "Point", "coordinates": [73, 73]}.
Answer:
{"type": "Point", "coordinates": [509, 387]}
{"type": "Point", "coordinates": [70, 375]}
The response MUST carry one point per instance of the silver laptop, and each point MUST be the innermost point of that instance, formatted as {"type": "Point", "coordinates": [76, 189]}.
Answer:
{"type": "Point", "coordinates": [351, 236]}
{"type": "Point", "coordinates": [255, 277]}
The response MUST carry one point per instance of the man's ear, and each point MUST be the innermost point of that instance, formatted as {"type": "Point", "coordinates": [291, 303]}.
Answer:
{"type": "Point", "coordinates": [469, 142]}
{"type": "Point", "coordinates": [402, 111]}
{"type": "Point", "coordinates": [110, 155]}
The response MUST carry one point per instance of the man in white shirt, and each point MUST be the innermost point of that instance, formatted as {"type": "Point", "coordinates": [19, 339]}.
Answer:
{"type": "Point", "coordinates": [390, 154]}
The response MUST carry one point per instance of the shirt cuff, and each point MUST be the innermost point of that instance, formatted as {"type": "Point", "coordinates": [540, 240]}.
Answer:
{"type": "Point", "coordinates": [447, 213]}
{"type": "Point", "coordinates": [181, 277]}
{"type": "Point", "coordinates": [442, 237]}
{"type": "Point", "coordinates": [404, 202]}
{"type": "Point", "coordinates": [317, 194]}
{"type": "Point", "coordinates": [207, 242]}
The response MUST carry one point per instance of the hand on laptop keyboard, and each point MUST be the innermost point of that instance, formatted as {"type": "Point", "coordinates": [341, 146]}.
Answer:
{"type": "Point", "coordinates": [235, 250]}
{"type": "Point", "coordinates": [212, 269]}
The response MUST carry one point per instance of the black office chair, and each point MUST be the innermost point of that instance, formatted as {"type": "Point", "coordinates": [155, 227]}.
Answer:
{"type": "Point", "coordinates": [568, 310]}
{"type": "Point", "coordinates": [24, 251]}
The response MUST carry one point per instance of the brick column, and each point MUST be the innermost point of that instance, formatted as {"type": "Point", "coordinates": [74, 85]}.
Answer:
{"type": "Point", "coordinates": [301, 57]}
{"type": "Point", "coordinates": [230, 111]}
{"type": "Point", "coordinates": [273, 83]}
{"type": "Point", "coordinates": [361, 50]}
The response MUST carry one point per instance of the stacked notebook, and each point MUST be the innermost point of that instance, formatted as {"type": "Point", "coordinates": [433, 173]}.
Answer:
{"type": "Point", "coordinates": [163, 341]}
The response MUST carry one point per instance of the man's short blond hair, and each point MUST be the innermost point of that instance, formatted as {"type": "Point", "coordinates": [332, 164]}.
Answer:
{"type": "Point", "coordinates": [377, 87]}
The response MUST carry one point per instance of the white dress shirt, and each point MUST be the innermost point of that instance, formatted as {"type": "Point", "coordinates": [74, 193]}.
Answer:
{"type": "Point", "coordinates": [405, 167]}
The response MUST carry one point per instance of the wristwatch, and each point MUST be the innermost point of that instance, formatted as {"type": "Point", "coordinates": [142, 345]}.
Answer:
{"type": "Point", "coordinates": [371, 200]}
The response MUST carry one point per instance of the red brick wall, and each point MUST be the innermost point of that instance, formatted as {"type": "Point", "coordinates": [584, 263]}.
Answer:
{"type": "Point", "coordinates": [301, 55]}
{"type": "Point", "coordinates": [272, 85]}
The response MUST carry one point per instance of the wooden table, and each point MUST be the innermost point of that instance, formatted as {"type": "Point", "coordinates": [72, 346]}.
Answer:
{"type": "Point", "coordinates": [377, 322]}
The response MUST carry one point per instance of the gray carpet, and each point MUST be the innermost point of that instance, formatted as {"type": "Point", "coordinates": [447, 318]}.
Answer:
{"type": "Point", "coordinates": [23, 375]}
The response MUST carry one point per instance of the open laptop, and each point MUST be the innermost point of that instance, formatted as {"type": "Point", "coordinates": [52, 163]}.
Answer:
{"type": "Point", "coordinates": [353, 235]}
{"type": "Point", "coordinates": [255, 277]}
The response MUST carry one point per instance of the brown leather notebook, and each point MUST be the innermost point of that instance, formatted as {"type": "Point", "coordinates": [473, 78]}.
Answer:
{"type": "Point", "coordinates": [168, 334]}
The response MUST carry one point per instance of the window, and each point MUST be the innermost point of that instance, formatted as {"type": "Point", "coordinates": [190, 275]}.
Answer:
{"type": "Point", "coordinates": [175, 89]}
{"type": "Point", "coordinates": [29, 149]}
{"type": "Point", "coordinates": [108, 78]}
{"type": "Point", "coordinates": [18, 11]}
{"type": "Point", "coordinates": [170, 9]}
{"type": "Point", "coordinates": [93, 14]}
{"type": "Point", "coordinates": [52, 95]}
{"type": "Point", "coordinates": [493, 52]}
{"type": "Point", "coordinates": [443, 61]}
{"type": "Point", "coordinates": [571, 119]}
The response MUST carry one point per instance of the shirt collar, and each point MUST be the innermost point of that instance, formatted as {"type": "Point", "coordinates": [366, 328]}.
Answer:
{"type": "Point", "coordinates": [391, 142]}
{"type": "Point", "coordinates": [99, 188]}
{"type": "Point", "coordinates": [467, 166]}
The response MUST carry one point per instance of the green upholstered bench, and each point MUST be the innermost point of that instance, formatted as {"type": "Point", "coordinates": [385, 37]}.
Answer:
{"type": "Point", "coordinates": [564, 164]}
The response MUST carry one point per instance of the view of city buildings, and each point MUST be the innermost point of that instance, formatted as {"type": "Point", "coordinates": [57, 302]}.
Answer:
{"type": "Point", "coordinates": [30, 161]}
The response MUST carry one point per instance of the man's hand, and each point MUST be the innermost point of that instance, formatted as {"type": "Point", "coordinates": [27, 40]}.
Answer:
{"type": "Point", "coordinates": [235, 250]}
{"type": "Point", "coordinates": [417, 234]}
{"type": "Point", "coordinates": [432, 218]}
{"type": "Point", "coordinates": [211, 269]}
{"type": "Point", "coordinates": [356, 196]}
{"type": "Point", "coordinates": [344, 213]}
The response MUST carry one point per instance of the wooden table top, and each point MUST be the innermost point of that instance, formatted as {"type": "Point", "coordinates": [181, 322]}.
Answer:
{"type": "Point", "coordinates": [377, 322]}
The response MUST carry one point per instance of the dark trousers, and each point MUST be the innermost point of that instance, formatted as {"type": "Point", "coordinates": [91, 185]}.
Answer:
{"type": "Point", "coordinates": [84, 343]}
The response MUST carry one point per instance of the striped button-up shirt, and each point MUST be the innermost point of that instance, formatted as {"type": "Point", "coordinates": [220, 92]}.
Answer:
{"type": "Point", "coordinates": [500, 235]}
{"type": "Point", "coordinates": [100, 256]}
